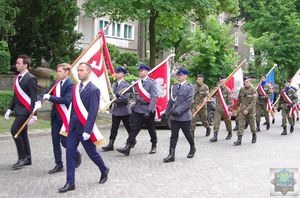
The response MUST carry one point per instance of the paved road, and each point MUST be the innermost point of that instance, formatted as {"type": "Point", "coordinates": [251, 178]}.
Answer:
{"type": "Point", "coordinates": [217, 170]}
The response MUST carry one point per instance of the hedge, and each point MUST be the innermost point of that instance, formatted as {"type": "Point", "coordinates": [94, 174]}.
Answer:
{"type": "Point", "coordinates": [5, 99]}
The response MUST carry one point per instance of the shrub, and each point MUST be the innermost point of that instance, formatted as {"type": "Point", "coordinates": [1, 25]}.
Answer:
{"type": "Point", "coordinates": [6, 97]}
{"type": "Point", "coordinates": [4, 58]}
{"type": "Point", "coordinates": [113, 52]}
{"type": "Point", "coordinates": [128, 58]}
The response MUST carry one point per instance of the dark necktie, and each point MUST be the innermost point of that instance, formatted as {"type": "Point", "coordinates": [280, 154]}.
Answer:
{"type": "Point", "coordinates": [179, 86]}
{"type": "Point", "coordinates": [61, 84]}
{"type": "Point", "coordinates": [116, 85]}
{"type": "Point", "coordinates": [80, 87]}
{"type": "Point", "coordinates": [19, 78]}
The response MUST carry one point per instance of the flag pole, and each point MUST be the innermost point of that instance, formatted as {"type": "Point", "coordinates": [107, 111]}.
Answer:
{"type": "Point", "coordinates": [216, 88]}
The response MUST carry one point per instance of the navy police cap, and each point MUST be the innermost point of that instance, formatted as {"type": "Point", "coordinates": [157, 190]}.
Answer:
{"type": "Point", "coordinates": [144, 67]}
{"type": "Point", "coordinates": [121, 69]}
{"type": "Point", "coordinates": [182, 71]}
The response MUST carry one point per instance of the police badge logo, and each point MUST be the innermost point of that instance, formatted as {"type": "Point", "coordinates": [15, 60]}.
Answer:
{"type": "Point", "coordinates": [283, 181]}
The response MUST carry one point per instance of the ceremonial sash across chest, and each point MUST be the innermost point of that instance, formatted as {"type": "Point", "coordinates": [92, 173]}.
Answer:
{"type": "Point", "coordinates": [21, 95]}
{"type": "Point", "coordinates": [82, 114]}
{"type": "Point", "coordinates": [223, 103]}
{"type": "Point", "coordinates": [146, 96]}
{"type": "Point", "coordinates": [62, 110]}
{"type": "Point", "coordinates": [263, 93]}
{"type": "Point", "coordinates": [287, 99]}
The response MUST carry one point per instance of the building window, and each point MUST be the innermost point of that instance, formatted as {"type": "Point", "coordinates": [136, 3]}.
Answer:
{"type": "Point", "coordinates": [116, 29]}
{"type": "Point", "coordinates": [103, 24]}
{"type": "Point", "coordinates": [128, 32]}
{"type": "Point", "coordinates": [236, 39]}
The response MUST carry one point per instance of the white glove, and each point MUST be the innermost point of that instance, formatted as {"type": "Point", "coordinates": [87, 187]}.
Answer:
{"type": "Point", "coordinates": [37, 105]}
{"type": "Point", "coordinates": [32, 121]}
{"type": "Point", "coordinates": [86, 136]}
{"type": "Point", "coordinates": [46, 96]}
{"type": "Point", "coordinates": [8, 112]}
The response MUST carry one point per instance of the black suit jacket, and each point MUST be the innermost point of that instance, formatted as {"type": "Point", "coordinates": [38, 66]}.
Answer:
{"type": "Point", "coordinates": [29, 85]}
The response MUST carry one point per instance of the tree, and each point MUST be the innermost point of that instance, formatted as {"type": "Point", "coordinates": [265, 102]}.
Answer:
{"type": "Point", "coordinates": [149, 12]}
{"type": "Point", "coordinates": [274, 29]}
{"type": "Point", "coordinates": [7, 16]}
{"type": "Point", "coordinates": [45, 30]}
{"type": "Point", "coordinates": [210, 51]}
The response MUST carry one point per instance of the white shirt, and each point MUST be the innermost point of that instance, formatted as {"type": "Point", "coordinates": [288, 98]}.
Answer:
{"type": "Point", "coordinates": [22, 75]}
{"type": "Point", "coordinates": [84, 84]}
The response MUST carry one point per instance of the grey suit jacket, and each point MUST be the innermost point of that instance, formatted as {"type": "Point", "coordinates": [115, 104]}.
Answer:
{"type": "Point", "coordinates": [183, 100]}
{"type": "Point", "coordinates": [121, 105]}
{"type": "Point", "coordinates": [141, 105]}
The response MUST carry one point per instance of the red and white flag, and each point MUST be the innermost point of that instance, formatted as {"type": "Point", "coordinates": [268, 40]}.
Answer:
{"type": "Point", "coordinates": [161, 75]}
{"type": "Point", "coordinates": [98, 56]}
{"type": "Point", "coordinates": [235, 83]}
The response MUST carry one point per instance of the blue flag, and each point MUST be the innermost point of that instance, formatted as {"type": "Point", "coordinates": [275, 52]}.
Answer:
{"type": "Point", "coordinates": [271, 80]}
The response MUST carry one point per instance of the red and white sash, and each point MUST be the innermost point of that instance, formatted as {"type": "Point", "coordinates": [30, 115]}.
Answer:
{"type": "Point", "coordinates": [262, 91]}
{"type": "Point", "coordinates": [82, 114]}
{"type": "Point", "coordinates": [289, 101]}
{"type": "Point", "coordinates": [146, 96]}
{"type": "Point", "coordinates": [21, 95]}
{"type": "Point", "coordinates": [223, 103]}
{"type": "Point", "coordinates": [62, 111]}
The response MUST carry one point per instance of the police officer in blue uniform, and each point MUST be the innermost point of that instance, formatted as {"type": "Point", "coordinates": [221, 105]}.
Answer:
{"type": "Point", "coordinates": [179, 108]}
{"type": "Point", "coordinates": [120, 110]}
{"type": "Point", "coordinates": [143, 112]}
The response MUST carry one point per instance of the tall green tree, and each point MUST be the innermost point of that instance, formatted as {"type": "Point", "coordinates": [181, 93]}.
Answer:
{"type": "Point", "coordinates": [211, 51]}
{"type": "Point", "coordinates": [274, 29]}
{"type": "Point", "coordinates": [7, 17]}
{"type": "Point", "coordinates": [149, 12]}
{"type": "Point", "coordinates": [45, 30]}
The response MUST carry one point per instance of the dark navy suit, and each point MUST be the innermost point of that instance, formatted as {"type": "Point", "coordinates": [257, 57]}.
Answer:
{"type": "Point", "coordinates": [56, 122]}
{"type": "Point", "coordinates": [90, 96]}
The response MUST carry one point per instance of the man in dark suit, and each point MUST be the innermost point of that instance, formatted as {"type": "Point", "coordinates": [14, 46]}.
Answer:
{"type": "Point", "coordinates": [25, 95]}
{"type": "Point", "coordinates": [179, 108]}
{"type": "Point", "coordinates": [61, 97]}
{"type": "Point", "coordinates": [143, 111]}
{"type": "Point", "coordinates": [120, 110]}
{"type": "Point", "coordinates": [81, 128]}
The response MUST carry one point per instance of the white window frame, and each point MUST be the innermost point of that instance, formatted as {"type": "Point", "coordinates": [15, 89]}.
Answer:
{"type": "Point", "coordinates": [132, 31]}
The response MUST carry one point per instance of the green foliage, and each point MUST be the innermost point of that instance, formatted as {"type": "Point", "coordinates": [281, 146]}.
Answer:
{"type": "Point", "coordinates": [8, 14]}
{"type": "Point", "coordinates": [6, 97]}
{"type": "Point", "coordinates": [274, 29]}
{"type": "Point", "coordinates": [132, 70]}
{"type": "Point", "coordinates": [45, 30]}
{"type": "Point", "coordinates": [4, 58]}
{"type": "Point", "coordinates": [128, 58]}
{"type": "Point", "coordinates": [113, 52]}
{"type": "Point", "coordinates": [211, 52]}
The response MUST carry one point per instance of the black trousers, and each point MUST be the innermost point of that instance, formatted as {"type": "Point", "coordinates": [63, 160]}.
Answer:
{"type": "Point", "coordinates": [22, 142]}
{"type": "Point", "coordinates": [137, 121]}
{"type": "Point", "coordinates": [185, 126]}
{"type": "Point", "coordinates": [116, 123]}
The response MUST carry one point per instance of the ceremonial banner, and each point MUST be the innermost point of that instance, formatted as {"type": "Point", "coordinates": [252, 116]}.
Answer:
{"type": "Point", "coordinates": [235, 83]}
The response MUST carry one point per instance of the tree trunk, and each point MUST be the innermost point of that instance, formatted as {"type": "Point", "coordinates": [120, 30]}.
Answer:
{"type": "Point", "coordinates": [152, 41]}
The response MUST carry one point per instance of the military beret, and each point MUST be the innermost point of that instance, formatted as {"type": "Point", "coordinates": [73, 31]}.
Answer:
{"type": "Point", "coordinates": [200, 76]}
{"type": "Point", "coordinates": [221, 77]}
{"type": "Point", "coordinates": [263, 75]}
{"type": "Point", "coordinates": [246, 78]}
{"type": "Point", "coordinates": [144, 67]}
{"type": "Point", "coordinates": [121, 69]}
{"type": "Point", "coordinates": [182, 71]}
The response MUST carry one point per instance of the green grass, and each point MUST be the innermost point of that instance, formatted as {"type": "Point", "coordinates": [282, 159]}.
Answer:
{"type": "Point", "coordinates": [5, 125]}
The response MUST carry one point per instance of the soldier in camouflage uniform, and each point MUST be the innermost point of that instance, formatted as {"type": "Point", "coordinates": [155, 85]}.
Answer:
{"type": "Point", "coordinates": [245, 110]}
{"type": "Point", "coordinates": [220, 113]}
{"type": "Point", "coordinates": [261, 103]}
{"type": "Point", "coordinates": [287, 100]}
{"type": "Point", "coordinates": [201, 92]}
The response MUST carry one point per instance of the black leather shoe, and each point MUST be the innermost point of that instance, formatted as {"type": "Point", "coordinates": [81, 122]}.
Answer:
{"type": "Point", "coordinates": [268, 126]}
{"type": "Point", "coordinates": [192, 152]}
{"type": "Point", "coordinates": [215, 138]}
{"type": "Point", "coordinates": [78, 160]}
{"type": "Point", "coordinates": [253, 138]}
{"type": "Point", "coordinates": [133, 145]}
{"type": "Point", "coordinates": [292, 128]}
{"type": "Point", "coordinates": [239, 141]}
{"type": "Point", "coordinates": [56, 169]}
{"type": "Point", "coordinates": [171, 156]}
{"type": "Point", "coordinates": [20, 163]}
{"type": "Point", "coordinates": [229, 135]}
{"type": "Point", "coordinates": [153, 149]}
{"type": "Point", "coordinates": [27, 161]}
{"type": "Point", "coordinates": [109, 146]}
{"type": "Point", "coordinates": [104, 176]}
{"type": "Point", "coordinates": [67, 187]}
{"type": "Point", "coordinates": [207, 131]}
{"type": "Point", "coordinates": [125, 150]}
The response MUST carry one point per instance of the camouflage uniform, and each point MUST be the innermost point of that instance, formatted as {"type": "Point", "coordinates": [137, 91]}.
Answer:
{"type": "Point", "coordinates": [201, 92]}
{"type": "Point", "coordinates": [246, 101]}
{"type": "Point", "coordinates": [285, 107]}
{"type": "Point", "coordinates": [261, 106]}
{"type": "Point", "coordinates": [220, 114]}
